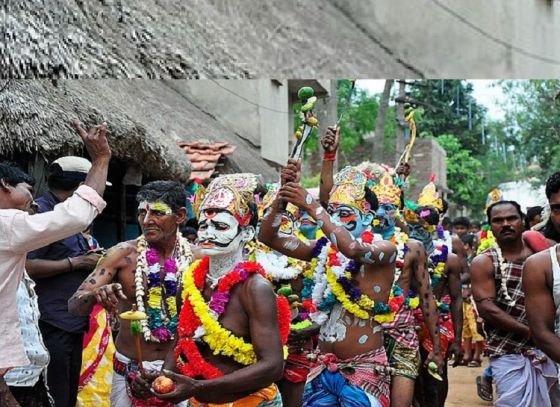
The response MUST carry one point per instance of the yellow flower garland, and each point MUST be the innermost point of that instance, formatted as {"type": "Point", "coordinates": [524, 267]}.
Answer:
{"type": "Point", "coordinates": [221, 340]}
{"type": "Point", "coordinates": [359, 308]}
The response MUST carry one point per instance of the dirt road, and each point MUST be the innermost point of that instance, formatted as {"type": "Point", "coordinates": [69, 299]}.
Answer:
{"type": "Point", "coordinates": [462, 387]}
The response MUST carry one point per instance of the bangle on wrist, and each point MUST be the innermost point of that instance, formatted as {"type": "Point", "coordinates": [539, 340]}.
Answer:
{"type": "Point", "coordinates": [329, 156]}
{"type": "Point", "coordinates": [70, 263]}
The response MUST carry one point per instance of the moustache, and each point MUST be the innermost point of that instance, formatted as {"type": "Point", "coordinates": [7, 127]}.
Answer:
{"type": "Point", "coordinates": [506, 230]}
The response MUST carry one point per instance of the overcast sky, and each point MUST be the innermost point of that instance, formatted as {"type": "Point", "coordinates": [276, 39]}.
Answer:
{"type": "Point", "coordinates": [487, 92]}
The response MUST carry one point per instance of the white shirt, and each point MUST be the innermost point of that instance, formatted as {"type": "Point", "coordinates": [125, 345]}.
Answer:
{"type": "Point", "coordinates": [28, 309]}
{"type": "Point", "coordinates": [21, 233]}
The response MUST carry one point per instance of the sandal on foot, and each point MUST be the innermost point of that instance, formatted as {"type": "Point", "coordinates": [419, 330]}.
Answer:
{"type": "Point", "coordinates": [484, 391]}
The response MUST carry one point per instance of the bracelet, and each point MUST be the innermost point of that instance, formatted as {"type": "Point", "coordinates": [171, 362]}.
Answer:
{"type": "Point", "coordinates": [70, 262]}
{"type": "Point", "coordinates": [329, 156]}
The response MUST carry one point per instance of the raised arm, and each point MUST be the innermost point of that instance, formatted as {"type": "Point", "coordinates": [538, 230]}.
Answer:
{"type": "Point", "coordinates": [330, 143]}
{"type": "Point", "coordinates": [379, 252]}
{"type": "Point", "coordinates": [539, 303]}
{"type": "Point", "coordinates": [98, 286]}
{"type": "Point", "coordinates": [484, 294]}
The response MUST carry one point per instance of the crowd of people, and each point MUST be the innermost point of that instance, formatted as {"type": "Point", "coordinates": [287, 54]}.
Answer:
{"type": "Point", "coordinates": [357, 297]}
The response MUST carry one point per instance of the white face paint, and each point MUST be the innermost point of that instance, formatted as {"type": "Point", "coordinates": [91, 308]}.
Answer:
{"type": "Point", "coordinates": [219, 233]}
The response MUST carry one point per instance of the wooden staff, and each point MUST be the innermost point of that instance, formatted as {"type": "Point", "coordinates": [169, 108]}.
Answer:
{"type": "Point", "coordinates": [135, 316]}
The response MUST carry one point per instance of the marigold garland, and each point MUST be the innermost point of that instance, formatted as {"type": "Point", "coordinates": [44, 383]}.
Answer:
{"type": "Point", "coordinates": [200, 320]}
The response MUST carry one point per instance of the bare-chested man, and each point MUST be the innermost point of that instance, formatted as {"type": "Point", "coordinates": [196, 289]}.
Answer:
{"type": "Point", "coordinates": [401, 339]}
{"type": "Point", "coordinates": [145, 272]}
{"type": "Point", "coordinates": [445, 280]}
{"type": "Point", "coordinates": [232, 325]}
{"type": "Point", "coordinates": [353, 280]}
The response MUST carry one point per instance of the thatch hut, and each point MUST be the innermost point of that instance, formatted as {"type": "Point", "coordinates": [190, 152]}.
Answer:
{"type": "Point", "coordinates": [145, 118]}
{"type": "Point", "coordinates": [186, 39]}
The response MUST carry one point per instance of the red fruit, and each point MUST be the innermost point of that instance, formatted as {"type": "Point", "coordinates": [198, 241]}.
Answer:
{"type": "Point", "coordinates": [163, 385]}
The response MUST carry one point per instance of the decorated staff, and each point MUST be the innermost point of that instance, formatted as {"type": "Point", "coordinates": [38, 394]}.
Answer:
{"type": "Point", "coordinates": [308, 100]}
{"type": "Point", "coordinates": [409, 117]}
{"type": "Point", "coordinates": [135, 316]}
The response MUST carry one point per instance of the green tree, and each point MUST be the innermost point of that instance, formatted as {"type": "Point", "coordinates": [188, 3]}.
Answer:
{"type": "Point", "coordinates": [533, 111]}
{"type": "Point", "coordinates": [463, 173]}
{"type": "Point", "coordinates": [450, 108]}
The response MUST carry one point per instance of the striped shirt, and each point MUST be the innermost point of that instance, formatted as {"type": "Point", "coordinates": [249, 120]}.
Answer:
{"type": "Point", "coordinates": [501, 342]}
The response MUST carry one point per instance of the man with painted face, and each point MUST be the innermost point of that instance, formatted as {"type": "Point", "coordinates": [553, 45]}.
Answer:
{"type": "Point", "coordinates": [444, 270]}
{"type": "Point", "coordinates": [232, 326]}
{"type": "Point", "coordinates": [351, 288]}
{"type": "Point", "coordinates": [524, 375]}
{"type": "Point", "coordinates": [401, 339]}
{"type": "Point", "coordinates": [145, 272]}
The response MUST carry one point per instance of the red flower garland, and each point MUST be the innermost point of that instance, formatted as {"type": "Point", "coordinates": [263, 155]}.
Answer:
{"type": "Point", "coordinates": [195, 365]}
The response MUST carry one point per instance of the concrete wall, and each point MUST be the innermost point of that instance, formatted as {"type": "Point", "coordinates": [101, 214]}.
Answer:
{"type": "Point", "coordinates": [473, 38]}
{"type": "Point", "coordinates": [254, 109]}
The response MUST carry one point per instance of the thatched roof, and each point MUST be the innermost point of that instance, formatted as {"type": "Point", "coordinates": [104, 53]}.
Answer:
{"type": "Point", "coordinates": [177, 38]}
{"type": "Point", "coordinates": [146, 119]}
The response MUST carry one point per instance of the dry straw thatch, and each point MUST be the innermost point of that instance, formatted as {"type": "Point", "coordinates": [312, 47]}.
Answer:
{"type": "Point", "coordinates": [146, 119]}
{"type": "Point", "coordinates": [190, 39]}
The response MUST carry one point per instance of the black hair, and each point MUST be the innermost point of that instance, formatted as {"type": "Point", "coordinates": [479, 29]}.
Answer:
{"type": "Point", "coordinates": [462, 221]}
{"type": "Point", "coordinates": [552, 184]}
{"type": "Point", "coordinates": [432, 218]}
{"type": "Point", "coordinates": [513, 203]}
{"type": "Point", "coordinates": [476, 224]}
{"type": "Point", "coordinates": [253, 209]}
{"type": "Point", "coordinates": [467, 238]}
{"type": "Point", "coordinates": [187, 230]}
{"type": "Point", "coordinates": [446, 221]}
{"type": "Point", "coordinates": [12, 175]}
{"type": "Point", "coordinates": [170, 192]}
{"type": "Point", "coordinates": [533, 211]}
{"type": "Point", "coordinates": [371, 198]}
{"type": "Point", "coordinates": [445, 206]}
{"type": "Point", "coordinates": [62, 183]}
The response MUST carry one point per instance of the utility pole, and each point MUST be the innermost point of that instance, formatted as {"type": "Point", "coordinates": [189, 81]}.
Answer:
{"type": "Point", "coordinates": [400, 141]}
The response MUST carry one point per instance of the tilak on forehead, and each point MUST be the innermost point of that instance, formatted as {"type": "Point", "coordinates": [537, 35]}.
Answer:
{"type": "Point", "coordinates": [158, 206]}
{"type": "Point", "coordinates": [348, 189]}
{"type": "Point", "coordinates": [232, 193]}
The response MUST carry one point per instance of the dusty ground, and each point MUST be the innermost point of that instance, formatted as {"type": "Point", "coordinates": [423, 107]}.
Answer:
{"type": "Point", "coordinates": [462, 387]}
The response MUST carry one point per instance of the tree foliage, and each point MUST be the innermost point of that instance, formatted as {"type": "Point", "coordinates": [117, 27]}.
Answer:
{"type": "Point", "coordinates": [533, 114]}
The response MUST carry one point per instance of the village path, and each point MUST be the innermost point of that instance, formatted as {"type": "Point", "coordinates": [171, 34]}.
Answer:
{"type": "Point", "coordinates": [462, 387]}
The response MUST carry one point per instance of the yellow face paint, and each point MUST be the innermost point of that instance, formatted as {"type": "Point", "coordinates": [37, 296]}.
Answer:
{"type": "Point", "coordinates": [157, 206]}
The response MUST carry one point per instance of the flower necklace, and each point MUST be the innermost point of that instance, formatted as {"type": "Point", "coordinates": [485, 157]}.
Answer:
{"type": "Point", "coordinates": [437, 261]}
{"type": "Point", "coordinates": [199, 320]}
{"type": "Point", "coordinates": [161, 307]}
{"type": "Point", "coordinates": [333, 283]}
{"type": "Point", "coordinates": [504, 271]}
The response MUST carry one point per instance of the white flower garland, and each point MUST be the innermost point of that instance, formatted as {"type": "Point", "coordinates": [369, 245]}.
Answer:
{"type": "Point", "coordinates": [183, 257]}
{"type": "Point", "coordinates": [320, 289]}
{"type": "Point", "coordinates": [504, 277]}
{"type": "Point", "coordinates": [276, 266]}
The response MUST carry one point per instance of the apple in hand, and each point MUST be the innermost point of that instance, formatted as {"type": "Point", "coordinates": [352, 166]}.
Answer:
{"type": "Point", "coordinates": [163, 384]}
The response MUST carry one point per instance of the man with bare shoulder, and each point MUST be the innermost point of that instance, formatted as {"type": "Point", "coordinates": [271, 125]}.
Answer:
{"type": "Point", "coordinates": [352, 289]}
{"type": "Point", "coordinates": [145, 272]}
{"type": "Point", "coordinates": [444, 270]}
{"type": "Point", "coordinates": [523, 374]}
{"type": "Point", "coordinates": [232, 325]}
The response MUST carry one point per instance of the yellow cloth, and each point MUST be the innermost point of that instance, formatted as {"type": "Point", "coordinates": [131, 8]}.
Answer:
{"type": "Point", "coordinates": [469, 323]}
{"type": "Point", "coordinates": [253, 400]}
{"type": "Point", "coordinates": [97, 389]}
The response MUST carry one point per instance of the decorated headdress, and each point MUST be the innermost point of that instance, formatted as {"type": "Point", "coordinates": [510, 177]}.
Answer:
{"type": "Point", "coordinates": [430, 197]}
{"type": "Point", "coordinates": [233, 193]}
{"type": "Point", "coordinates": [387, 191]}
{"type": "Point", "coordinates": [496, 195]}
{"type": "Point", "coordinates": [349, 190]}
{"type": "Point", "coordinates": [264, 203]}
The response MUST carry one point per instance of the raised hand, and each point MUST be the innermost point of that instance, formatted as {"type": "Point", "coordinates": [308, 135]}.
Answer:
{"type": "Point", "coordinates": [95, 140]}
{"type": "Point", "coordinates": [291, 172]}
{"type": "Point", "coordinates": [331, 140]}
